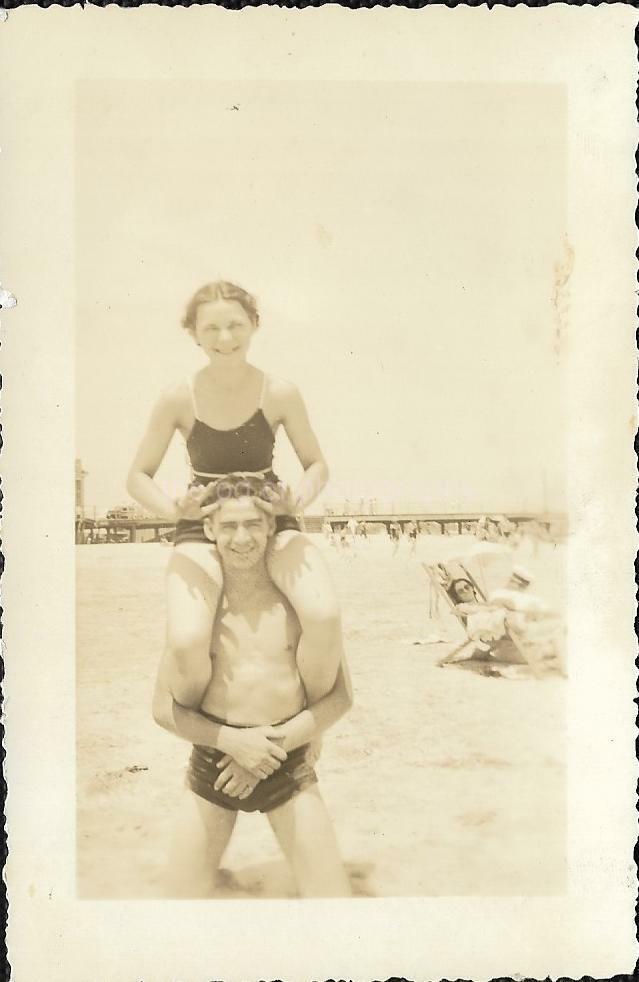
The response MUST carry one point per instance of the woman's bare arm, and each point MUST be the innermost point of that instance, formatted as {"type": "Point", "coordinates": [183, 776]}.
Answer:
{"type": "Point", "coordinates": [162, 425]}
{"type": "Point", "coordinates": [294, 418]}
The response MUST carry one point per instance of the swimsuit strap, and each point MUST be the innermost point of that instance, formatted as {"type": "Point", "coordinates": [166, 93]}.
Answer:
{"type": "Point", "coordinates": [190, 381]}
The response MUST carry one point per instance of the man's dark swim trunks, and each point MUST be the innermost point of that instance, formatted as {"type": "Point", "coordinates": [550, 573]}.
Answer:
{"type": "Point", "coordinates": [292, 776]}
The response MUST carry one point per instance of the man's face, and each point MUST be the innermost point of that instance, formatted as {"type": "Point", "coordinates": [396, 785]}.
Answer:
{"type": "Point", "coordinates": [241, 530]}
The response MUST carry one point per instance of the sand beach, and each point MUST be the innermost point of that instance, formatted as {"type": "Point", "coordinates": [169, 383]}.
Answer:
{"type": "Point", "coordinates": [439, 781]}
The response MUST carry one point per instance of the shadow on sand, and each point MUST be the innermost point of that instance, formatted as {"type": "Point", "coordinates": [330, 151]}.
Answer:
{"type": "Point", "coordinates": [273, 879]}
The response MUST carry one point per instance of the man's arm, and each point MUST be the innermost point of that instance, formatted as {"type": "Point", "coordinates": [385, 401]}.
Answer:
{"type": "Point", "coordinates": [252, 748]}
{"type": "Point", "coordinates": [311, 722]}
{"type": "Point", "coordinates": [307, 726]}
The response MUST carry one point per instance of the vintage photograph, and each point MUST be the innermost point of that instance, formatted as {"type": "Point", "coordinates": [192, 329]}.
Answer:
{"type": "Point", "coordinates": [320, 488]}
{"type": "Point", "coordinates": [318, 329]}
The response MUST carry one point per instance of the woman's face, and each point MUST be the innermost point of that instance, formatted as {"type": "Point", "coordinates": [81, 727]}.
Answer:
{"type": "Point", "coordinates": [223, 329]}
{"type": "Point", "coordinates": [464, 592]}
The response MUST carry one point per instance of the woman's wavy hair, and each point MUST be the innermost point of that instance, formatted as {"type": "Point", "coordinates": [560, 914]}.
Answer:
{"type": "Point", "coordinates": [220, 290]}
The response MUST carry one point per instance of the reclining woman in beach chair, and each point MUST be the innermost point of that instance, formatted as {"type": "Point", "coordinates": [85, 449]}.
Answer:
{"type": "Point", "coordinates": [487, 636]}
{"type": "Point", "coordinates": [511, 626]}
{"type": "Point", "coordinates": [483, 622]}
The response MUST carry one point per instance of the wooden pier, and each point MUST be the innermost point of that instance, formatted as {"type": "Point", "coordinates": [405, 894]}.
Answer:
{"type": "Point", "coordinates": [447, 522]}
{"type": "Point", "coordinates": [87, 530]}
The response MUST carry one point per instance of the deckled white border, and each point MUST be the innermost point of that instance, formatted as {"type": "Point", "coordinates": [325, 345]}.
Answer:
{"type": "Point", "coordinates": [51, 934]}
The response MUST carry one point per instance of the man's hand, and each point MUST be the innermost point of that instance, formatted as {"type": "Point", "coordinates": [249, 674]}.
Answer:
{"type": "Point", "coordinates": [235, 780]}
{"type": "Point", "coordinates": [253, 749]}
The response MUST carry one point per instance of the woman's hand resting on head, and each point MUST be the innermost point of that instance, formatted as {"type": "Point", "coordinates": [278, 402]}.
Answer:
{"type": "Point", "coordinates": [282, 500]}
{"type": "Point", "coordinates": [189, 507]}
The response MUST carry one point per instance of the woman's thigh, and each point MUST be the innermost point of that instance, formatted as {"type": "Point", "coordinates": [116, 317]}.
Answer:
{"type": "Point", "coordinates": [299, 570]}
{"type": "Point", "coordinates": [193, 587]}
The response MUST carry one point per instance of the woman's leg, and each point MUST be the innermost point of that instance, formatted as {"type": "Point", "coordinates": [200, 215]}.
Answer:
{"type": "Point", "coordinates": [193, 588]}
{"type": "Point", "coordinates": [305, 833]}
{"type": "Point", "coordinates": [200, 836]}
{"type": "Point", "coordinates": [299, 570]}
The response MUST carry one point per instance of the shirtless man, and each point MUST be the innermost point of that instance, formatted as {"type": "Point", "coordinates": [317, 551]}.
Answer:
{"type": "Point", "coordinates": [252, 732]}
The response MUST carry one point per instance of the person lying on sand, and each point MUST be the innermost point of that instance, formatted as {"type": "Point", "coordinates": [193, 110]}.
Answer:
{"type": "Point", "coordinates": [252, 730]}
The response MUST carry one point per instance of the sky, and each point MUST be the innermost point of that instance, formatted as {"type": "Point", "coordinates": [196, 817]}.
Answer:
{"type": "Point", "coordinates": [402, 241]}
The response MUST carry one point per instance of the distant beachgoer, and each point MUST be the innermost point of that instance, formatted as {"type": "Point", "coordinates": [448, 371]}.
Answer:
{"type": "Point", "coordinates": [517, 599]}
{"type": "Point", "coordinates": [410, 530]}
{"type": "Point", "coordinates": [484, 624]}
{"type": "Point", "coordinates": [538, 629]}
{"type": "Point", "coordinates": [228, 414]}
{"type": "Point", "coordinates": [462, 591]}
{"type": "Point", "coordinates": [512, 615]}
{"type": "Point", "coordinates": [395, 536]}
{"type": "Point", "coordinates": [252, 732]}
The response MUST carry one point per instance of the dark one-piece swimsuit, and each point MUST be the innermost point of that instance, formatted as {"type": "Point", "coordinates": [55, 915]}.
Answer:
{"type": "Point", "coordinates": [246, 450]}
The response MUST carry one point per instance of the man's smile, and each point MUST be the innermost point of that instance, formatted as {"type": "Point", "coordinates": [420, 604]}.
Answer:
{"type": "Point", "coordinates": [243, 552]}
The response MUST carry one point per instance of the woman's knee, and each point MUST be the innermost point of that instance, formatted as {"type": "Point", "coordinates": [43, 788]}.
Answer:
{"type": "Point", "coordinates": [192, 561]}
{"type": "Point", "coordinates": [192, 596]}
{"type": "Point", "coordinates": [298, 569]}
{"type": "Point", "coordinates": [292, 553]}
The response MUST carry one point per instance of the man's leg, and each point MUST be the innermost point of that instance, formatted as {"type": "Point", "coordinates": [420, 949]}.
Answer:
{"type": "Point", "coordinates": [305, 833]}
{"type": "Point", "coordinates": [201, 834]}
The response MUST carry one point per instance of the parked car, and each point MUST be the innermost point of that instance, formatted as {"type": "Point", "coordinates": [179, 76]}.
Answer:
{"type": "Point", "coordinates": [124, 512]}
